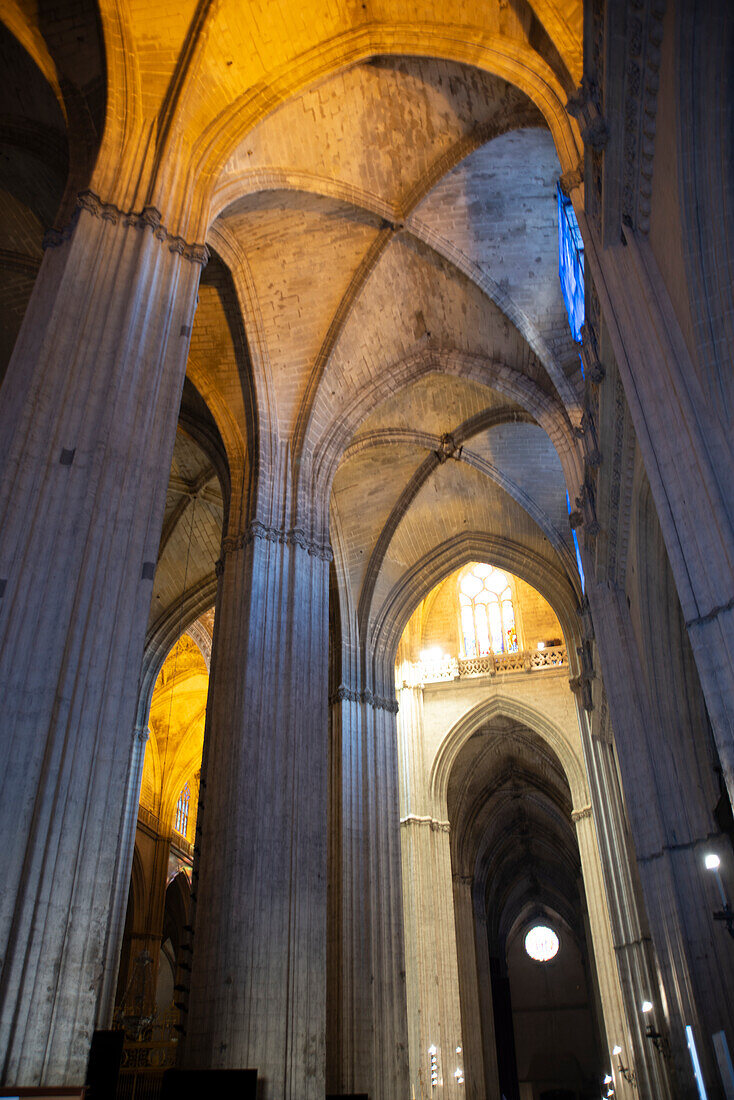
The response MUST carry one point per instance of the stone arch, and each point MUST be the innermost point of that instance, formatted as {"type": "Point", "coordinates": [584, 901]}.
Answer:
{"type": "Point", "coordinates": [510, 60]}
{"type": "Point", "coordinates": [503, 706]}
{"type": "Point", "coordinates": [380, 643]}
{"type": "Point", "coordinates": [164, 635]}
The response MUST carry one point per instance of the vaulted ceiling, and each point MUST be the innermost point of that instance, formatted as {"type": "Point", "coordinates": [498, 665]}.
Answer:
{"type": "Point", "coordinates": [376, 182]}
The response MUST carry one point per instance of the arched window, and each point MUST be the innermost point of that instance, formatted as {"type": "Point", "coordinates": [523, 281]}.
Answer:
{"type": "Point", "coordinates": [182, 811]}
{"type": "Point", "coordinates": [571, 263]}
{"type": "Point", "coordinates": [487, 614]}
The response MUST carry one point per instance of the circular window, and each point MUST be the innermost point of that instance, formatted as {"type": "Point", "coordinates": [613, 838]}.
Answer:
{"type": "Point", "coordinates": [541, 943]}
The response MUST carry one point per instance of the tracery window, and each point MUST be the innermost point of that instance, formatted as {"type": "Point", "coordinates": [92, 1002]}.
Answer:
{"type": "Point", "coordinates": [487, 612]}
{"type": "Point", "coordinates": [571, 263]}
{"type": "Point", "coordinates": [182, 811]}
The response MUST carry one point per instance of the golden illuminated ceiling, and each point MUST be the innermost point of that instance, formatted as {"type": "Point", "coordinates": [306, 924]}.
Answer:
{"type": "Point", "coordinates": [176, 725]}
{"type": "Point", "coordinates": [375, 180]}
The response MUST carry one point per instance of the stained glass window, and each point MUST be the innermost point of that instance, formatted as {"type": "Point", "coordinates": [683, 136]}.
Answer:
{"type": "Point", "coordinates": [577, 548]}
{"type": "Point", "coordinates": [182, 811]}
{"type": "Point", "coordinates": [541, 943]}
{"type": "Point", "coordinates": [487, 613]}
{"type": "Point", "coordinates": [571, 263]}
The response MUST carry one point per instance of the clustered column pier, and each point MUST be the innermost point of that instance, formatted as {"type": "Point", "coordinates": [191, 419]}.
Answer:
{"type": "Point", "coordinates": [91, 401]}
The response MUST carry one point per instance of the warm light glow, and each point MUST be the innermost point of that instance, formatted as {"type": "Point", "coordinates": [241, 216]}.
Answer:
{"type": "Point", "coordinates": [712, 862]}
{"type": "Point", "coordinates": [432, 656]}
{"type": "Point", "coordinates": [541, 943]}
{"type": "Point", "coordinates": [431, 1050]}
{"type": "Point", "coordinates": [617, 1050]}
{"type": "Point", "coordinates": [607, 1080]}
{"type": "Point", "coordinates": [541, 645]}
{"type": "Point", "coordinates": [647, 1006]}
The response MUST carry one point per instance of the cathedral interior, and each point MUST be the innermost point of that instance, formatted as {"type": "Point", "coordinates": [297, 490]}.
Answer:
{"type": "Point", "coordinates": [366, 549]}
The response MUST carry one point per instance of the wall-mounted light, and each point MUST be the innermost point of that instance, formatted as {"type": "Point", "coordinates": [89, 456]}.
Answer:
{"type": "Point", "coordinates": [652, 1033]}
{"type": "Point", "coordinates": [626, 1072]}
{"type": "Point", "coordinates": [726, 913]}
{"type": "Point", "coordinates": [434, 1066]}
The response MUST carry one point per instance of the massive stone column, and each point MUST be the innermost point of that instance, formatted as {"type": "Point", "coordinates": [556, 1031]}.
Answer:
{"type": "Point", "coordinates": [614, 1020]}
{"type": "Point", "coordinates": [475, 986]}
{"type": "Point", "coordinates": [672, 830]}
{"type": "Point", "coordinates": [87, 427]}
{"type": "Point", "coordinates": [367, 995]}
{"type": "Point", "coordinates": [689, 460]}
{"type": "Point", "coordinates": [434, 1011]}
{"type": "Point", "coordinates": [258, 984]}
{"type": "Point", "coordinates": [121, 888]}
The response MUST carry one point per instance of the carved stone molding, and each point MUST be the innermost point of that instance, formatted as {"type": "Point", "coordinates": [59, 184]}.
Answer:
{"type": "Point", "coordinates": [448, 448]}
{"type": "Point", "coordinates": [379, 702]}
{"type": "Point", "coordinates": [580, 815]}
{"type": "Point", "coordinates": [148, 218]}
{"type": "Point", "coordinates": [203, 639]}
{"type": "Point", "coordinates": [571, 179]}
{"type": "Point", "coordinates": [431, 822]}
{"type": "Point", "coordinates": [596, 134]}
{"type": "Point", "coordinates": [293, 537]}
{"type": "Point", "coordinates": [642, 79]}
{"type": "Point", "coordinates": [141, 735]}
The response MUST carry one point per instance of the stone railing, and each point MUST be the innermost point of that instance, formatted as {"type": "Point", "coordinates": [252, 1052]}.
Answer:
{"type": "Point", "coordinates": [461, 668]}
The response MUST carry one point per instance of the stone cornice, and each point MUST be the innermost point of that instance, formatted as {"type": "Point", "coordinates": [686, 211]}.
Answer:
{"type": "Point", "coordinates": [296, 536]}
{"type": "Point", "coordinates": [148, 218]}
{"type": "Point", "coordinates": [379, 702]}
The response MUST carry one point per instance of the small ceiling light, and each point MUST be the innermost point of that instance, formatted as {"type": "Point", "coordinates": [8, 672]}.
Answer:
{"type": "Point", "coordinates": [431, 1049]}
{"type": "Point", "coordinates": [646, 1006]}
{"type": "Point", "coordinates": [458, 1050]}
{"type": "Point", "coordinates": [541, 645]}
{"type": "Point", "coordinates": [616, 1050]}
{"type": "Point", "coordinates": [712, 862]}
{"type": "Point", "coordinates": [608, 1079]}
{"type": "Point", "coordinates": [541, 943]}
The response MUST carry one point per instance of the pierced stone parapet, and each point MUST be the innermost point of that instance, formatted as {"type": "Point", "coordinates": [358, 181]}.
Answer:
{"type": "Point", "coordinates": [461, 668]}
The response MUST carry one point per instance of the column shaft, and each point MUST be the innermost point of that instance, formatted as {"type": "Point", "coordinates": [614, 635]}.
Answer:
{"type": "Point", "coordinates": [665, 809]}
{"type": "Point", "coordinates": [610, 993]}
{"type": "Point", "coordinates": [90, 404]}
{"type": "Point", "coordinates": [688, 459]}
{"type": "Point", "coordinates": [257, 996]}
{"type": "Point", "coordinates": [434, 1011]}
{"type": "Point", "coordinates": [367, 958]}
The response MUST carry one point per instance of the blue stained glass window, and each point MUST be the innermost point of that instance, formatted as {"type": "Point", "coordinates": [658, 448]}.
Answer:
{"type": "Point", "coordinates": [577, 549]}
{"type": "Point", "coordinates": [571, 263]}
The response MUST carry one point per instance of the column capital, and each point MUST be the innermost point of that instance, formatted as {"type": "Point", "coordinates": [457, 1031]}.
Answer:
{"type": "Point", "coordinates": [148, 218]}
{"type": "Point", "coordinates": [293, 536]}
